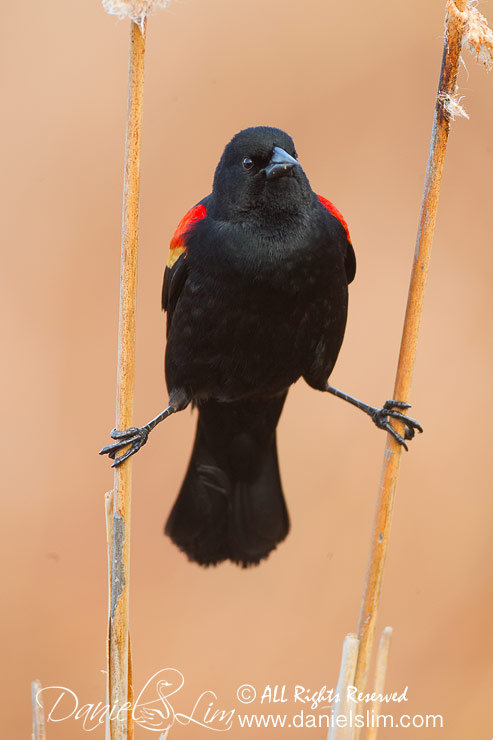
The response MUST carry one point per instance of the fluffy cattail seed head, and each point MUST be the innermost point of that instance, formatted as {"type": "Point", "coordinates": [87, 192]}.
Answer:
{"type": "Point", "coordinates": [136, 10]}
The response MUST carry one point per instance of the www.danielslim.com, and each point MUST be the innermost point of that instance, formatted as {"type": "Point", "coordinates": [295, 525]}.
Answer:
{"type": "Point", "coordinates": [367, 719]}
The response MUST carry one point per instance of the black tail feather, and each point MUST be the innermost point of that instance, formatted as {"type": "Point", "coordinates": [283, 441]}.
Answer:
{"type": "Point", "coordinates": [231, 504]}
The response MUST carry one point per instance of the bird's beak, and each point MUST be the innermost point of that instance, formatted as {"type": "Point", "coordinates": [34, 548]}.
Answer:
{"type": "Point", "coordinates": [280, 164]}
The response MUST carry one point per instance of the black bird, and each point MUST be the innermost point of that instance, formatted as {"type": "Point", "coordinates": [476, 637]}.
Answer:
{"type": "Point", "coordinates": [256, 293]}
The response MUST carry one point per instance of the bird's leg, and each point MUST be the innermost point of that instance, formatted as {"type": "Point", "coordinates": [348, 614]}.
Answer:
{"type": "Point", "coordinates": [381, 417]}
{"type": "Point", "coordinates": [136, 437]}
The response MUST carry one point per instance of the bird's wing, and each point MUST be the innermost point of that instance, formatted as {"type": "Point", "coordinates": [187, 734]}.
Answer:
{"type": "Point", "coordinates": [176, 268]}
{"type": "Point", "coordinates": [350, 257]}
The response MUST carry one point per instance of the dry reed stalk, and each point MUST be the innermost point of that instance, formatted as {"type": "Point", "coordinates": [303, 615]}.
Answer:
{"type": "Point", "coordinates": [385, 503]}
{"type": "Point", "coordinates": [39, 732]}
{"type": "Point", "coordinates": [119, 661]}
{"type": "Point", "coordinates": [341, 708]}
{"type": "Point", "coordinates": [380, 674]}
{"type": "Point", "coordinates": [108, 505]}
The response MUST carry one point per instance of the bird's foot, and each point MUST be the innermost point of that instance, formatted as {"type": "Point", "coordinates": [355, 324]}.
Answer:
{"type": "Point", "coordinates": [135, 436]}
{"type": "Point", "coordinates": [392, 410]}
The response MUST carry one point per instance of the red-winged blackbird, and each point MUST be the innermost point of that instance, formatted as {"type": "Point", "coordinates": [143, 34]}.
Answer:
{"type": "Point", "coordinates": [256, 292]}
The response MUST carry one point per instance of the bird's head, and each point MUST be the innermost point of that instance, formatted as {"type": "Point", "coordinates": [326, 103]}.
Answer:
{"type": "Point", "coordinates": [259, 178]}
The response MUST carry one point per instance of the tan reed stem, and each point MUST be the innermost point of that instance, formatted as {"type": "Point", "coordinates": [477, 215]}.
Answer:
{"type": "Point", "coordinates": [390, 471]}
{"type": "Point", "coordinates": [342, 707]}
{"type": "Point", "coordinates": [380, 674]}
{"type": "Point", "coordinates": [119, 662]}
{"type": "Point", "coordinates": [39, 732]}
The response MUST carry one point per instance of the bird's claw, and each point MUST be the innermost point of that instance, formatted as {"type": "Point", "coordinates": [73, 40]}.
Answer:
{"type": "Point", "coordinates": [392, 410]}
{"type": "Point", "coordinates": [136, 437]}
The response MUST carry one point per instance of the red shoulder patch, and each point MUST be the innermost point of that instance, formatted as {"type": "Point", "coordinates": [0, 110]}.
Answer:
{"type": "Point", "coordinates": [335, 212]}
{"type": "Point", "coordinates": [177, 245]}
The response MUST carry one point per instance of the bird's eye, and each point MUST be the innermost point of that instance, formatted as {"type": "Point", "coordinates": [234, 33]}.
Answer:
{"type": "Point", "coordinates": [247, 163]}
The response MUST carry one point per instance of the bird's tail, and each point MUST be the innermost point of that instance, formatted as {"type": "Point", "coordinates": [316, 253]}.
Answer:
{"type": "Point", "coordinates": [231, 504]}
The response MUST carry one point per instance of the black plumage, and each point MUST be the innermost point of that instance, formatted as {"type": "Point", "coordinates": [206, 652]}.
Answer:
{"type": "Point", "coordinates": [256, 295]}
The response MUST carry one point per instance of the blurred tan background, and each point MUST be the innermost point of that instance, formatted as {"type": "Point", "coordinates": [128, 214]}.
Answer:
{"type": "Point", "coordinates": [354, 84]}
